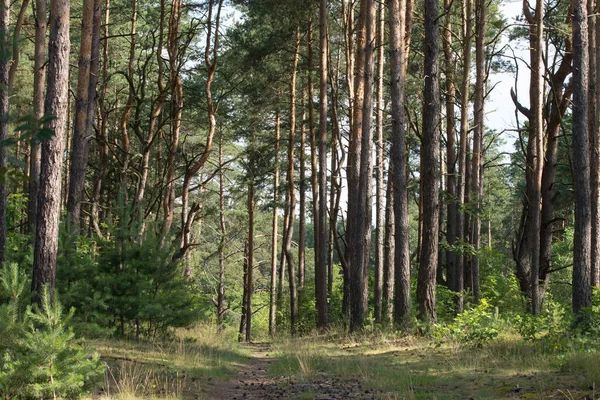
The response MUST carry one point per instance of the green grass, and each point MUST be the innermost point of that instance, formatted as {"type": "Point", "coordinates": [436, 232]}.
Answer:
{"type": "Point", "coordinates": [417, 368]}
{"type": "Point", "coordinates": [175, 369]}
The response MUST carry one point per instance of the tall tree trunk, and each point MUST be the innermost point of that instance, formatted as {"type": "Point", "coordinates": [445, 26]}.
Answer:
{"type": "Point", "coordinates": [321, 264]}
{"type": "Point", "coordinates": [360, 169]}
{"type": "Point", "coordinates": [302, 201]}
{"type": "Point", "coordinates": [389, 250]}
{"type": "Point", "coordinates": [223, 232]}
{"type": "Point", "coordinates": [451, 200]}
{"type": "Point", "coordinates": [582, 294]}
{"type": "Point", "coordinates": [243, 322]}
{"type": "Point", "coordinates": [274, 229]}
{"type": "Point", "coordinates": [250, 260]}
{"type": "Point", "coordinates": [461, 195]}
{"type": "Point", "coordinates": [380, 186]}
{"type": "Point", "coordinates": [124, 120]}
{"type": "Point", "coordinates": [83, 100]}
{"type": "Point", "coordinates": [478, 135]}
{"type": "Point", "coordinates": [398, 163]}
{"type": "Point", "coordinates": [39, 79]}
{"type": "Point", "coordinates": [594, 121]}
{"type": "Point", "coordinates": [16, 39]}
{"type": "Point", "coordinates": [102, 134]}
{"type": "Point", "coordinates": [4, 87]}
{"type": "Point", "coordinates": [292, 192]}
{"type": "Point", "coordinates": [174, 51]}
{"type": "Point", "coordinates": [46, 235]}
{"type": "Point", "coordinates": [429, 167]}
{"type": "Point", "coordinates": [211, 51]}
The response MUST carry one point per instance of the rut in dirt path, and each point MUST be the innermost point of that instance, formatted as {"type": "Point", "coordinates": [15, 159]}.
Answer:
{"type": "Point", "coordinates": [252, 381]}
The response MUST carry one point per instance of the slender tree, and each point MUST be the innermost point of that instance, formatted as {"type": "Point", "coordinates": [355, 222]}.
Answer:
{"type": "Point", "coordinates": [379, 163]}
{"type": "Point", "coordinates": [321, 261]}
{"type": "Point", "coordinates": [4, 87]}
{"type": "Point", "coordinates": [274, 228]}
{"type": "Point", "coordinates": [39, 75]}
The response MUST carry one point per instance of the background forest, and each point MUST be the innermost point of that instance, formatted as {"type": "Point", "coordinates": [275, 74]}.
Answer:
{"type": "Point", "coordinates": [290, 167]}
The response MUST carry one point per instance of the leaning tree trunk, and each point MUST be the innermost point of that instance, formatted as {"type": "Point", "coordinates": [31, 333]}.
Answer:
{"type": "Point", "coordinates": [46, 234]}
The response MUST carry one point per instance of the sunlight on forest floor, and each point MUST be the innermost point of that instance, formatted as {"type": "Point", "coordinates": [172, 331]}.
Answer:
{"type": "Point", "coordinates": [392, 367]}
{"type": "Point", "coordinates": [174, 369]}
{"type": "Point", "coordinates": [417, 368]}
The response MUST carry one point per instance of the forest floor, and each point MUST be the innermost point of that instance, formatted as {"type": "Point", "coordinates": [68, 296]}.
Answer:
{"type": "Point", "coordinates": [341, 367]}
{"type": "Point", "coordinates": [253, 381]}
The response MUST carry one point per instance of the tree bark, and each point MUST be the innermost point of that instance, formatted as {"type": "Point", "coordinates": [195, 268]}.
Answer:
{"type": "Point", "coordinates": [292, 193]}
{"type": "Point", "coordinates": [4, 108]}
{"type": "Point", "coordinates": [461, 195]}
{"type": "Point", "coordinates": [83, 100]}
{"type": "Point", "coordinates": [451, 199]}
{"type": "Point", "coordinates": [429, 167]}
{"type": "Point", "coordinates": [478, 137]}
{"type": "Point", "coordinates": [274, 229]}
{"type": "Point", "coordinates": [380, 186]}
{"type": "Point", "coordinates": [582, 293]}
{"type": "Point", "coordinates": [46, 235]}
{"type": "Point", "coordinates": [398, 164]}
{"type": "Point", "coordinates": [39, 79]}
{"type": "Point", "coordinates": [321, 265]}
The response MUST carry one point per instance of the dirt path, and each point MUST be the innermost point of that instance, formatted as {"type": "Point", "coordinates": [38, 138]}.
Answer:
{"type": "Point", "coordinates": [253, 382]}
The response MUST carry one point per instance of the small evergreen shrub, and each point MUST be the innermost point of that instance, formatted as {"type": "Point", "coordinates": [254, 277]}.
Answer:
{"type": "Point", "coordinates": [40, 356]}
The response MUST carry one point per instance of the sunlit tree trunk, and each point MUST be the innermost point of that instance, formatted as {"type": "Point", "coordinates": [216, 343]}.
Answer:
{"type": "Point", "coordinates": [461, 189]}
{"type": "Point", "coordinates": [46, 235]}
{"type": "Point", "coordinates": [174, 51]}
{"type": "Point", "coordinates": [211, 51]}
{"type": "Point", "coordinates": [83, 100]}
{"type": "Point", "coordinates": [582, 294]}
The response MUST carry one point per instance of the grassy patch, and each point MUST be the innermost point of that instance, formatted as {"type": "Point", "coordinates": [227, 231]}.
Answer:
{"type": "Point", "coordinates": [416, 368]}
{"type": "Point", "coordinates": [176, 369]}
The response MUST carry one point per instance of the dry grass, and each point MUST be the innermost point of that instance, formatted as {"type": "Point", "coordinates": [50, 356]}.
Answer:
{"type": "Point", "coordinates": [179, 368]}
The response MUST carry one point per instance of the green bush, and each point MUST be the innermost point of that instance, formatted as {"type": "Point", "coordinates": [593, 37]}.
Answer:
{"type": "Point", "coordinates": [474, 327]}
{"type": "Point", "coordinates": [40, 356]}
